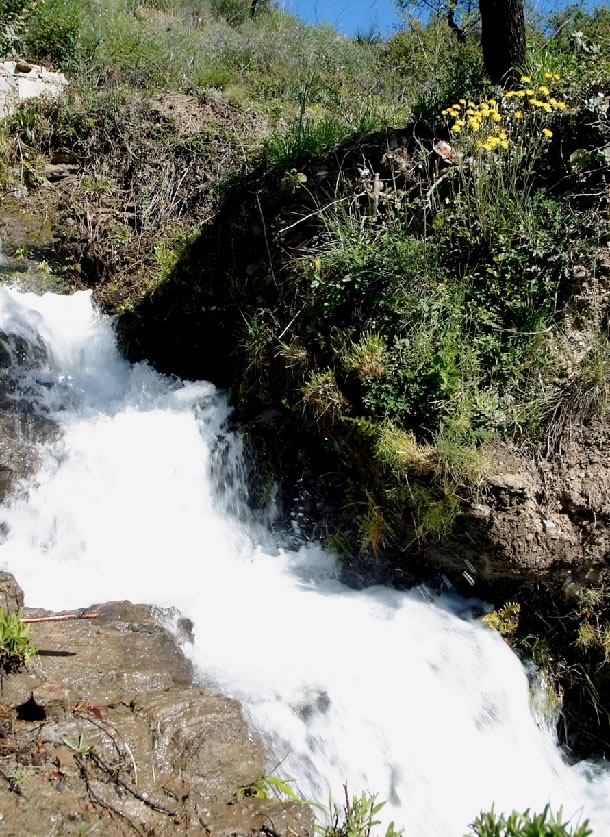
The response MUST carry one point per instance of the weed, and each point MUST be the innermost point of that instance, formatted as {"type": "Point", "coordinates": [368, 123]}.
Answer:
{"type": "Point", "coordinates": [323, 398]}
{"type": "Point", "coordinates": [527, 824]}
{"type": "Point", "coordinates": [505, 619]}
{"type": "Point", "coordinates": [374, 530]}
{"type": "Point", "coordinates": [16, 649]}
{"type": "Point", "coordinates": [366, 358]}
{"type": "Point", "coordinates": [81, 747]}
{"type": "Point", "coordinates": [269, 787]}
{"type": "Point", "coordinates": [357, 818]}
{"type": "Point", "coordinates": [20, 775]}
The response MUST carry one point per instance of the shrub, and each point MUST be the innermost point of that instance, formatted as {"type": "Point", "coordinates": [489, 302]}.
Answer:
{"type": "Point", "coordinates": [52, 34]}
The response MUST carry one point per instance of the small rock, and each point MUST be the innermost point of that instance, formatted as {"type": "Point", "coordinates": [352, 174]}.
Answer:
{"type": "Point", "coordinates": [63, 156]}
{"type": "Point", "coordinates": [480, 511]}
{"type": "Point", "coordinates": [513, 483]}
{"type": "Point", "coordinates": [59, 171]}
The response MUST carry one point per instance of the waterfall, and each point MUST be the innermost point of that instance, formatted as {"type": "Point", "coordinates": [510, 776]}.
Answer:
{"type": "Point", "coordinates": [140, 497]}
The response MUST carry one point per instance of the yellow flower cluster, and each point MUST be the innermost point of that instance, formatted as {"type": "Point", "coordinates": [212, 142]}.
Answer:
{"type": "Point", "coordinates": [487, 117]}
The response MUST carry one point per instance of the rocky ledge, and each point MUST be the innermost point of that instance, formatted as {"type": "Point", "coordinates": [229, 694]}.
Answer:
{"type": "Point", "coordinates": [105, 733]}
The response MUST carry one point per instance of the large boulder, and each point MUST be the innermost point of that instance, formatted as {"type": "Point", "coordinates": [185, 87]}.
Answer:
{"type": "Point", "coordinates": [106, 733]}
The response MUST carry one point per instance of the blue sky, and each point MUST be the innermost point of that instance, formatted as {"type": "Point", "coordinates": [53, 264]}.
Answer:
{"type": "Point", "coordinates": [351, 16]}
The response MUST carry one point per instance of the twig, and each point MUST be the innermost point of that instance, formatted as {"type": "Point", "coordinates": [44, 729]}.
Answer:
{"type": "Point", "coordinates": [315, 212]}
{"type": "Point", "coordinates": [63, 617]}
{"type": "Point", "coordinates": [98, 799]}
{"type": "Point", "coordinates": [156, 806]}
{"type": "Point", "coordinates": [260, 209]}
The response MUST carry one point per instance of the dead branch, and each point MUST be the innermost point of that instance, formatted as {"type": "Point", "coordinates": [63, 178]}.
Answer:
{"type": "Point", "coordinates": [62, 617]}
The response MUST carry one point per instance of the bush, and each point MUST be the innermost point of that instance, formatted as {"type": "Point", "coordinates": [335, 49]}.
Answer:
{"type": "Point", "coordinates": [52, 34]}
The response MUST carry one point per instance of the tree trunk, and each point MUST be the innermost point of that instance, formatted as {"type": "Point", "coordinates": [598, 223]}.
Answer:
{"type": "Point", "coordinates": [502, 38]}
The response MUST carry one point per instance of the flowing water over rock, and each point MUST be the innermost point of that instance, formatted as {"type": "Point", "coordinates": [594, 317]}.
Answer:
{"type": "Point", "coordinates": [139, 497]}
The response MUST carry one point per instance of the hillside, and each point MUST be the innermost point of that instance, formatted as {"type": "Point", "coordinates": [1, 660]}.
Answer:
{"type": "Point", "coordinates": [400, 272]}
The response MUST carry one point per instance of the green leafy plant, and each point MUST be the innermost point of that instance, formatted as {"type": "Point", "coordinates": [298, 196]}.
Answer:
{"type": "Point", "coordinates": [357, 818]}
{"type": "Point", "coordinates": [527, 824]}
{"type": "Point", "coordinates": [504, 619]}
{"type": "Point", "coordinates": [16, 649]}
{"type": "Point", "coordinates": [81, 746]}
{"type": "Point", "coordinates": [269, 787]}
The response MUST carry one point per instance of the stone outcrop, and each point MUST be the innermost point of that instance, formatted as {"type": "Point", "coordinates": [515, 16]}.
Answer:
{"type": "Point", "coordinates": [19, 81]}
{"type": "Point", "coordinates": [106, 733]}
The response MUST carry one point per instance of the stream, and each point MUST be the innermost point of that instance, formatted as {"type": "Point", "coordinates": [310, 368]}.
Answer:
{"type": "Point", "coordinates": [141, 496]}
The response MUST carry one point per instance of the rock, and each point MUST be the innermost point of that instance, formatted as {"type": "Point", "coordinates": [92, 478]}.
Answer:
{"type": "Point", "coordinates": [63, 157]}
{"type": "Point", "coordinates": [513, 483]}
{"type": "Point", "coordinates": [55, 172]}
{"type": "Point", "coordinates": [20, 436]}
{"type": "Point", "coordinates": [11, 594]}
{"type": "Point", "coordinates": [120, 739]}
{"type": "Point", "coordinates": [19, 81]}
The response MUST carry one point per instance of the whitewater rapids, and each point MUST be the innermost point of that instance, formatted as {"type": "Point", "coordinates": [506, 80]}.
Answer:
{"type": "Point", "coordinates": [387, 691]}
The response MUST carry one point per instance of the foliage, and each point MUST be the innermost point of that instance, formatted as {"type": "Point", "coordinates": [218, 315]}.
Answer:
{"type": "Point", "coordinates": [356, 819]}
{"type": "Point", "coordinates": [52, 34]}
{"type": "Point", "coordinates": [504, 619]}
{"type": "Point", "coordinates": [527, 824]}
{"type": "Point", "coordinates": [16, 649]}
{"type": "Point", "coordinates": [434, 66]}
{"type": "Point", "coordinates": [271, 787]}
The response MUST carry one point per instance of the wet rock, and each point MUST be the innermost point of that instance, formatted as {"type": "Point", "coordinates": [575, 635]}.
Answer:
{"type": "Point", "coordinates": [20, 436]}
{"type": "Point", "coordinates": [11, 594]}
{"type": "Point", "coordinates": [113, 737]}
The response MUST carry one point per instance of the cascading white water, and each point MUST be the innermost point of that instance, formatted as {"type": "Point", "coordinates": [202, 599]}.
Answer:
{"type": "Point", "coordinates": [386, 690]}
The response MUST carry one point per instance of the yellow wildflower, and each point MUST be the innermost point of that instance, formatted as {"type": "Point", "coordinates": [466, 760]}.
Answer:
{"type": "Point", "coordinates": [471, 104]}
{"type": "Point", "coordinates": [455, 107]}
{"type": "Point", "coordinates": [553, 101]}
{"type": "Point", "coordinates": [460, 122]}
{"type": "Point", "coordinates": [504, 143]}
{"type": "Point", "coordinates": [510, 94]}
{"type": "Point", "coordinates": [496, 117]}
{"type": "Point", "coordinates": [547, 133]}
{"type": "Point", "coordinates": [561, 105]}
{"type": "Point", "coordinates": [470, 112]}
{"type": "Point", "coordinates": [548, 75]}
{"type": "Point", "coordinates": [462, 101]}
{"type": "Point", "coordinates": [474, 125]}
{"type": "Point", "coordinates": [503, 135]}
{"type": "Point", "coordinates": [518, 114]}
{"type": "Point", "coordinates": [455, 129]}
{"type": "Point", "coordinates": [544, 89]}
{"type": "Point", "coordinates": [492, 102]}
{"type": "Point", "coordinates": [547, 107]}
{"type": "Point", "coordinates": [525, 79]}
{"type": "Point", "coordinates": [520, 93]}
{"type": "Point", "coordinates": [556, 76]}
